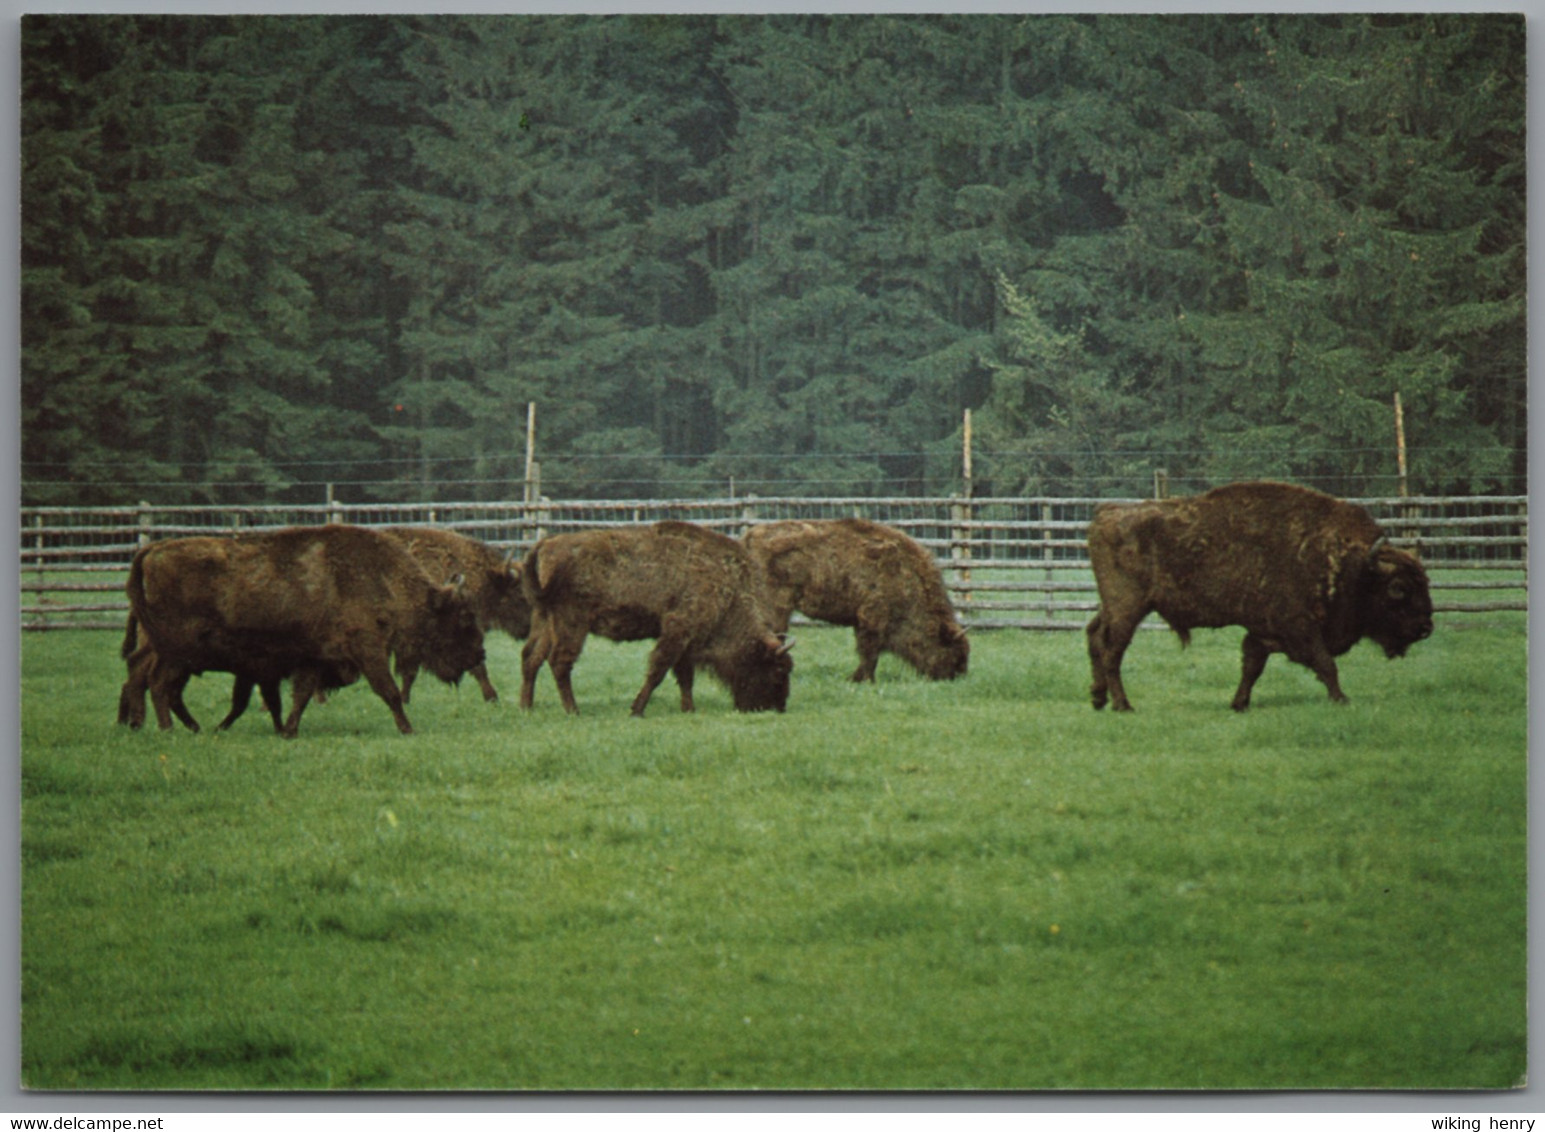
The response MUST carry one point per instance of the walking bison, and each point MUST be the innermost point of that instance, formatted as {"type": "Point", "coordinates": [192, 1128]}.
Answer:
{"type": "Point", "coordinates": [141, 658]}
{"type": "Point", "coordinates": [868, 576]}
{"type": "Point", "coordinates": [699, 594]}
{"type": "Point", "coordinates": [1303, 573]}
{"type": "Point", "coordinates": [320, 605]}
{"type": "Point", "coordinates": [491, 581]}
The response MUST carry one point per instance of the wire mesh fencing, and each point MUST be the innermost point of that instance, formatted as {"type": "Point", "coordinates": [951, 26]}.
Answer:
{"type": "Point", "coordinates": [1018, 563]}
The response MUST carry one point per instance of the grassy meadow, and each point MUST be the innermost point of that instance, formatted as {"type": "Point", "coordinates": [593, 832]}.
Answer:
{"type": "Point", "coordinates": [983, 885]}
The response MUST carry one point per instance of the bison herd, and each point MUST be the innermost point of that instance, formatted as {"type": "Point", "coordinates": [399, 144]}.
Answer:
{"type": "Point", "coordinates": [1303, 573]}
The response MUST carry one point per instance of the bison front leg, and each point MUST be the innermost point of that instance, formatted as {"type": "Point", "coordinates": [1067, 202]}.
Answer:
{"type": "Point", "coordinates": [303, 687]}
{"type": "Point", "coordinates": [406, 674]}
{"type": "Point", "coordinates": [684, 672]}
{"type": "Point", "coordinates": [1252, 662]}
{"type": "Point", "coordinates": [480, 674]}
{"type": "Point", "coordinates": [1317, 658]}
{"type": "Point", "coordinates": [269, 690]}
{"type": "Point", "coordinates": [379, 673]}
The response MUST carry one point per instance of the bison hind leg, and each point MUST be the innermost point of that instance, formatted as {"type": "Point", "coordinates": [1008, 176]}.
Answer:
{"type": "Point", "coordinates": [1099, 689]}
{"type": "Point", "coordinates": [869, 640]}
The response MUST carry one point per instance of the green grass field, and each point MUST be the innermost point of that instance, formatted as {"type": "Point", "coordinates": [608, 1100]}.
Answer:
{"type": "Point", "coordinates": [984, 885]}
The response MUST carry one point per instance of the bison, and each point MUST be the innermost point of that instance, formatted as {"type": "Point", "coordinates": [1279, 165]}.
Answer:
{"type": "Point", "coordinates": [699, 594]}
{"type": "Point", "coordinates": [868, 576]}
{"type": "Point", "coordinates": [323, 605]}
{"type": "Point", "coordinates": [492, 583]}
{"type": "Point", "coordinates": [1302, 572]}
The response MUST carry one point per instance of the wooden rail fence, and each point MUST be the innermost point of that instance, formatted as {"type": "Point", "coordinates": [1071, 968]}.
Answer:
{"type": "Point", "coordinates": [1009, 563]}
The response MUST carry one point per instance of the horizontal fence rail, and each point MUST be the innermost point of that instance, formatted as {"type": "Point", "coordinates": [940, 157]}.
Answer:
{"type": "Point", "coordinates": [1008, 563]}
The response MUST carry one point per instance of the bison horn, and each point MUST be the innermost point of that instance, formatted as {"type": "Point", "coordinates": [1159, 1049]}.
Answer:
{"type": "Point", "coordinates": [780, 643]}
{"type": "Point", "coordinates": [1379, 544]}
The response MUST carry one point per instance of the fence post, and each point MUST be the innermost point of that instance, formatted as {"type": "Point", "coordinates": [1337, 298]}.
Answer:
{"type": "Point", "coordinates": [37, 543]}
{"type": "Point", "coordinates": [1523, 534]}
{"type": "Point", "coordinates": [960, 545]}
{"type": "Point", "coordinates": [142, 518]}
{"type": "Point", "coordinates": [747, 514]}
{"type": "Point", "coordinates": [1047, 554]}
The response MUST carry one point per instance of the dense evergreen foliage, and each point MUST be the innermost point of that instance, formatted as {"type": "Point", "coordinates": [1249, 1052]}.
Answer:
{"type": "Point", "coordinates": [264, 253]}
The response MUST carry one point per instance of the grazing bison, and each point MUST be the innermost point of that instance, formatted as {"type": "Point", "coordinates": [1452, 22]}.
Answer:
{"type": "Point", "coordinates": [871, 577]}
{"type": "Point", "coordinates": [1305, 574]}
{"type": "Point", "coordinates": [699, 594]}
{"type": "Point", "coordinates": [492, 584]}
{"type": "Point", "coordinates": [323, 605]}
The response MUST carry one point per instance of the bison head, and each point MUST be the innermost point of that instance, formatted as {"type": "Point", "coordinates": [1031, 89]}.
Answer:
{"type": "Point", "coordinates": [952, 655]}
{"type": "Point", "coordinates": [759, 677]}
{"type": "Point", "coordinates": [1397, 606]}
{"type": "Point", "coordinates": [452, 641]}
{"type": "Point", "coordinates": [504, 603]}
{"type": "Point", "coordinates": [933, 643]}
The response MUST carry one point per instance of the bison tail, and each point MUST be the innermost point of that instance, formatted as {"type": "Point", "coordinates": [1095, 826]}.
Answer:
{"type": "Point", "coordinates": [135, 589]}
{"type": "Point", "coordinates": [531, 577]}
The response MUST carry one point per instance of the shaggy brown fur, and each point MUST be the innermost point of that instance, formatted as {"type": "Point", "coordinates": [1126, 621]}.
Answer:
{"type": "Point", "coordinates": [488, 578]}
{"type": "Point", "coordinates": [700, 595]}
{"type": "Point", "coordinates": [1304, 573]}
{"type": "Point", "coordinates": [323, 605]}
{"type": "Point", "coordinates": [492, 583]}
{"type": "Point", "coordinates": [870, 577]}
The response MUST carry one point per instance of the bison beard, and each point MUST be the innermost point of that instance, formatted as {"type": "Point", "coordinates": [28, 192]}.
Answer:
{"type": "Point", "coordinates": [323, 605]}
{"type": "Point", "coordinates": [871, 577]}
{"type": "Point", "coordinates": [698, 594]}
{"type": "Point", "coordinates": [1303, 573]}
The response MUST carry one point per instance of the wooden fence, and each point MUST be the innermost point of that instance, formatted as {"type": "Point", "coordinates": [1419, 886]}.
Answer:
{"type": "Point", "coordinates": [1009, 563]}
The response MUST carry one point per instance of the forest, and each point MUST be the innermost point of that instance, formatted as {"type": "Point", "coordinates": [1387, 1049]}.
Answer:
{"type": "Point", "coordinates": [768, 253]}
